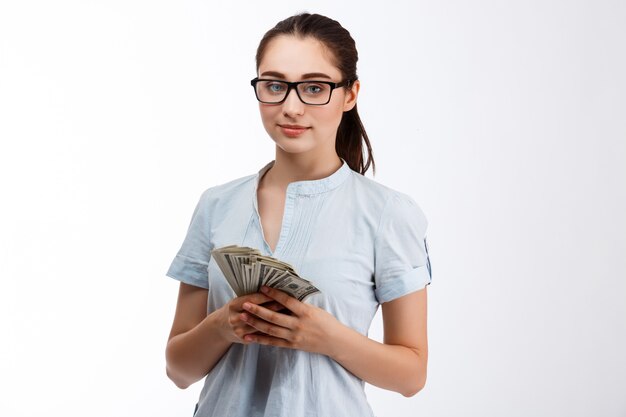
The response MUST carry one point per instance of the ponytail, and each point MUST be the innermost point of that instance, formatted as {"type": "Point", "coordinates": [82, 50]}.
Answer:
{"type": "Point", "coordinates": [349, 144]}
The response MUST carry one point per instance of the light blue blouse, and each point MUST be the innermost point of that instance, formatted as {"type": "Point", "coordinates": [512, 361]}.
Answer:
{"type": "Point", "coordinates": [360, 243]}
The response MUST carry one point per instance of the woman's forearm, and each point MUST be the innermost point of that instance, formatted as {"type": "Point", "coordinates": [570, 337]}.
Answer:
{"type": "Point", "coordinates": [191, 355]}
{"type": "Point", "coordinates": [393, 367]}
{"type": "Point", "coordinates": [398, 366]}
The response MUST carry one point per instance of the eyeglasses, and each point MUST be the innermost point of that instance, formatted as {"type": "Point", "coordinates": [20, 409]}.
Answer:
{"type": "Point", "coordinates": [315, 93]}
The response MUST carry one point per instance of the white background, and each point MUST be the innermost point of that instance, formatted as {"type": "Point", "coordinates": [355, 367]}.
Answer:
{"type": "Point", "coordinates": [506, 121]}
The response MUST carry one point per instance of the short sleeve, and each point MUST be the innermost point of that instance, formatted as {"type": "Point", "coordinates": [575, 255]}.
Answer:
{"type": "Point", "coordinates": [402, 264]}
{"type": "Point", "coordinates": [190, 265]}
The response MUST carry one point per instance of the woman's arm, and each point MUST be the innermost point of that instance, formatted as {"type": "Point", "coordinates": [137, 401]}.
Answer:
{"type": "Point", "coordinates": [197, 341]}
{"type": "Point", "coordinates": [398, 364]}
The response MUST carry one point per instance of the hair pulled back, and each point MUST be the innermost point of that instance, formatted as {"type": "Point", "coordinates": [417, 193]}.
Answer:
{"type": "Point", "coordinates": [351, 134]}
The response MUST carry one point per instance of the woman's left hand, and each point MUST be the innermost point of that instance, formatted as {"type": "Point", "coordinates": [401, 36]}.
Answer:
{"type": "Point", "coordinates": [309, 328]}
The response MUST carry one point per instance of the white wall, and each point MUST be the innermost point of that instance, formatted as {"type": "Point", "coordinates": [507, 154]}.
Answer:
{"type": "Point", "coordinates": [506, 121]}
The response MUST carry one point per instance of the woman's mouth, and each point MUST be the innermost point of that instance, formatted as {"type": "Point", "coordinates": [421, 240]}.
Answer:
{"type": "Point", "coordinates": [293, 131]}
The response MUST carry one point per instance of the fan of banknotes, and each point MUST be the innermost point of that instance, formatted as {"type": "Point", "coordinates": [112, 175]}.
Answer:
{"type": "Point", "coordinates": [246, 270]}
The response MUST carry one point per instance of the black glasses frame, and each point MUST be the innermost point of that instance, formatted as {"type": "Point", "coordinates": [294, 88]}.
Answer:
{"type": "Point", "coordinates": [294, 85]}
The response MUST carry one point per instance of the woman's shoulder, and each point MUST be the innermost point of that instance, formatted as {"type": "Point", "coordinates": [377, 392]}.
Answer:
{"type": "Point", "coordinates": [384, 194]}
{"type": "Point", "coordinates": [392, 206]}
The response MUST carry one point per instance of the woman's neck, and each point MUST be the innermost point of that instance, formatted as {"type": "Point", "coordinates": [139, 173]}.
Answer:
{"type": "Point", "coordinates": [288, 168]}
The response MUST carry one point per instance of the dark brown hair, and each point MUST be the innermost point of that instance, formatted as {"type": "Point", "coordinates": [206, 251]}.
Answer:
{"type": "Point", "coordinates": [351, 134]}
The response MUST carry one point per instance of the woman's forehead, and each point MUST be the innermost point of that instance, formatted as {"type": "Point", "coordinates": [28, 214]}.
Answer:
{"type": "Point", "coordinates": [296, 57]}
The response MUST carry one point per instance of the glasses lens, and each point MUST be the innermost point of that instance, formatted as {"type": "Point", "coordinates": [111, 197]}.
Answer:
{"type": "Point", "coordinates": [271, 91]}
{"type": "Point", "coordinates": [314, 93]}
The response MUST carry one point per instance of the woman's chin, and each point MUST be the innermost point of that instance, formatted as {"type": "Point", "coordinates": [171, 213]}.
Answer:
{"type": "Point", "coordinates": [290, 145]}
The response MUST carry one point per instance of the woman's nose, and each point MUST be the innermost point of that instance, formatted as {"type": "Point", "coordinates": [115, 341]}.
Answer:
{"type": "Point", "coordinates": [293, 106]}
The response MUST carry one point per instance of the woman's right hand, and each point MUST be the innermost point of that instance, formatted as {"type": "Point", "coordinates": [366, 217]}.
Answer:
{"type": "Point", "coordinates": [232, 327]}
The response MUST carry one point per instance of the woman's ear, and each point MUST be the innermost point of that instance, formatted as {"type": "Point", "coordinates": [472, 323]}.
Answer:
{"type": "Point", "coordinates": [351, 96]}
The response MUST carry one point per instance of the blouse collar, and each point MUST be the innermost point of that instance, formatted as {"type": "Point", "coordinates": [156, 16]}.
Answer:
{"type": "Point", "coordinates": [311, 186]}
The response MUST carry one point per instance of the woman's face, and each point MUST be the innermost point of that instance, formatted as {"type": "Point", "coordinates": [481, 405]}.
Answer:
{"type": "Point", "coordinates": [294, 126]}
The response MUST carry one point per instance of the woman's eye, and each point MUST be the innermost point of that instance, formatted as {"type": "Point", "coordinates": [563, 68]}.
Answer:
{"type": "Point", "coordinates": [275, 87]}
{"type": "Point", "coordinates": [314, 88]}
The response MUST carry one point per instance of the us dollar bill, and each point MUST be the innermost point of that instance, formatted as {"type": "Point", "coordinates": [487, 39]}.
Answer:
{"type": "Point", "coordinates": [246, 270]}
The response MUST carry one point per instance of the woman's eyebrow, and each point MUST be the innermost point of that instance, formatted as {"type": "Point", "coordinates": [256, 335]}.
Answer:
{"type": "Point", "coordinates": [304, 76]}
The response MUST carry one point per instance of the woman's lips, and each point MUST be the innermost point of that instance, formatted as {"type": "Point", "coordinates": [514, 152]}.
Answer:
{"type": "Point", "coordinates": [293, 131]}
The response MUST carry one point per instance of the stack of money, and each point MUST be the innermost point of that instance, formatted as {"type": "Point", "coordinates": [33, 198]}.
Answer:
{"type": "Point", "coordinates": [246, 270]}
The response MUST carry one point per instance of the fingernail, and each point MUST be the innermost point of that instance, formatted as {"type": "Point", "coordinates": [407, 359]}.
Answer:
{"type": "Point", "coordinates": [246, 306]}
{"type": "Point", "coordinates": [265, 290]}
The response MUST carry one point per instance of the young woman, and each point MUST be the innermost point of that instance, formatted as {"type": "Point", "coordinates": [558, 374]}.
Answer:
{"type": "Point", "coordinates": [361, 244]}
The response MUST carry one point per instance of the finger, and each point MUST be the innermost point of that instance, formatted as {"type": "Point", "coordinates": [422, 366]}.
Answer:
{"type": "Point", "coordinates": [256, 298]}
{"type": "Point", "coordinates": [265, 327]}
{"type": "Point", "coordinates": [264, 339]}
{"type": "Point", "coordinates": [285, 299]}
{"type": "Point", "coordinates": [274, 306]}
{"type": "Point", "coordinates": [246, 330]}
{"type": "Point", "coordinates": [252, 331]}
{"type": "Point", "coordinates": [271, 316]}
